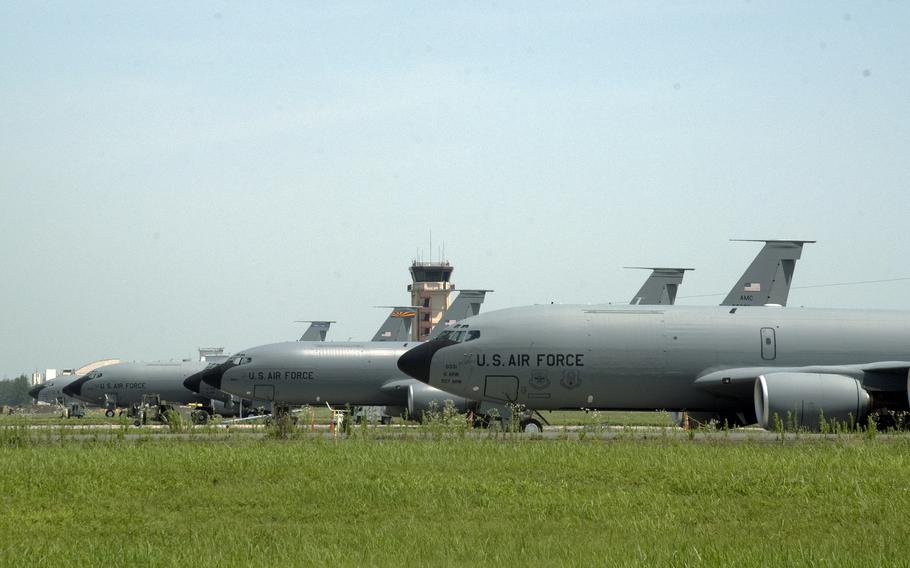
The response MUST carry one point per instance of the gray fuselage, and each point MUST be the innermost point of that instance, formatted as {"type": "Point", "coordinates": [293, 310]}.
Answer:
{"type": "Point", "coordinates": [52, 393]}
{"type": "Point", "coordinates": [338, 373]}
{"type": "Point", "coordinates": [631, 357]}
{"type": "Point", "coordinates": [125, 383]}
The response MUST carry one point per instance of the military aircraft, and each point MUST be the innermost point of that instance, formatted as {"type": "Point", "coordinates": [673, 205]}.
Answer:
{"type": "Point", "coordinates": [359, 374]}
{"type": "Point", "coordinates": [124, 384]}
{"type": "Point", "coordinates": [743, 364]}
{"type": "Point", "coordinates": [765, 282]}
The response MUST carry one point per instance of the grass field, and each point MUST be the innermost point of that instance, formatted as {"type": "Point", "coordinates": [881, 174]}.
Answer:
{"type": "Point", "coordinates": [451, 500]}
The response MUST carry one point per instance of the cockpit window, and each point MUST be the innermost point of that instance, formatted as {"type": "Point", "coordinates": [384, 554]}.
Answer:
{"type": "Point", "coordinates": [241, 360]}
{"type": "Point", "coordinates": [458, 337]}
{"type": "Point", "coordinates": [472, 335]}
{"type": "Point", "coordinates": [445, 335]}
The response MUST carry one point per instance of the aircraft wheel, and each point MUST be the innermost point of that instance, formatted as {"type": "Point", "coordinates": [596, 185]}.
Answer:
{"type": "Point", "coordinates": [385, 420]}
{"type": "Point", "coordinates": [137, 423]}
{"type": "Point", "coordinates": [109, 413]}
{"type": "Point", "coordinates": [200, 417]}
{"type": "Point", "coordinates": [531, 426]}
{"type": "Point", "coordinates": [481, 421]}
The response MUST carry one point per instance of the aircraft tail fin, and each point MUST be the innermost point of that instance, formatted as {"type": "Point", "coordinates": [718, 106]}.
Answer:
{"type": "Point", "coordinates": [317, 330]}
{"type": "Point", "coordinates": [768, 278]}
{"type": "Point", "coordinates": [465, 305]}
{"type": "Point", "coordinates": [396, 327]}
{"type": "Point", "coordinates": [661, 286]}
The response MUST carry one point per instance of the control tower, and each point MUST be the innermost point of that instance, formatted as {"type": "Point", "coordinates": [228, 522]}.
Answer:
{"type": "Point", "coordinates": [431, 292]}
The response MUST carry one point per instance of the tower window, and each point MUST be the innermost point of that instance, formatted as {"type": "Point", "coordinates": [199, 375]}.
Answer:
{"type": "Point", "coordinates": [426, 302]}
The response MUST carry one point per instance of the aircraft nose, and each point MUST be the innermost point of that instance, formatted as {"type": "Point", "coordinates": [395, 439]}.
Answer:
{"type": "Point", "coordinates": [194, 381]}
{"type": "Point", "coordinates": [75, 387]}
{"type": "Point", "coordinates": [211, 375]}
{"type": "Point", "coordinates": [33, 392]}
{"type": "Point", "coordinates": [416, 362]}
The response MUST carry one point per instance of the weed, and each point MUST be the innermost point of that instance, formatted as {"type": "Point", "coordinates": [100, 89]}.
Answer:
{"type": "Point", "coordinates": [280, 426]}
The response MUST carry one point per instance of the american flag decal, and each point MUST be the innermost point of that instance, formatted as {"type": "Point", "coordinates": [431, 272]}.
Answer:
{"type": "Point", "coordinates": [403, 314]}
{"type": "Point", "coordinates": [752, 287]}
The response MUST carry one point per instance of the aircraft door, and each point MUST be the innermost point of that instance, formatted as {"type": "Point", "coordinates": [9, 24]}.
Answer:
{"type": "Point", "coordinates": [500, 387]}
{"type": "Point", "coordinates": [768, 344]}
{"type": "Point", "coordinates": [264, 392]}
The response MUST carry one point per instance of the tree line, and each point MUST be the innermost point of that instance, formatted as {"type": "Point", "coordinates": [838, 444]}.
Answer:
{"type": "Point", "coordinates": [14, 392]}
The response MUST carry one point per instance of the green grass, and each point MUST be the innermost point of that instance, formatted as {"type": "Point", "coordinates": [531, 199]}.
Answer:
{"type": "Point", "coordinates": [423, 500]}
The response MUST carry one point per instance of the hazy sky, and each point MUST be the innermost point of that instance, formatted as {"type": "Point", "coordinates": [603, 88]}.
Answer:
{"type": "Point", "coordinates": [184, 174]}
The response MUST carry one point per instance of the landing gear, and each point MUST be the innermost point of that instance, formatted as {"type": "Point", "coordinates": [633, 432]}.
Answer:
{"type": "Point", "coordinates": [109, 412]}
{"type": "Point", "coordinates": [200, 417]}
{"type": "Point", "coordinates": [509, 417]}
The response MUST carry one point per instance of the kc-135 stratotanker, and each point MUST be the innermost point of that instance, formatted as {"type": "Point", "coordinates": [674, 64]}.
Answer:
{"type": "Point", "coordinates": [742, 364]}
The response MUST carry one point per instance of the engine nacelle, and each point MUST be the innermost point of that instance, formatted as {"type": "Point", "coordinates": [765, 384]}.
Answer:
{"type": "Point", "coordinates": [804, 395]}
{"type": "Point", "coordinates": [421, 398]}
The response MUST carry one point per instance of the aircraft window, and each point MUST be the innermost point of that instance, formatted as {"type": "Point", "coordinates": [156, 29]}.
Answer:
{"type": "Point", "coordinates": [472, 335]}
{"type": "Point", "coordinates": [458, 337]}
{"type": "Point", "coordinates": [445, 335]}
{"type": "Point", "coordinates": [242, 360]}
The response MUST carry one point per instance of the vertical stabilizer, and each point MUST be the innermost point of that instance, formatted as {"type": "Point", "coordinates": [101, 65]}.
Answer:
{"type": "Point", "coordinates": [317, 330]}
{"type": "Point", "coordinates": [768, 278]}
{"type": "Point", "coordinates": [465, 305]}
{"type": "Point", "coordinates": [661, 286]}
{"type": "Point", "coordinates": [396, 327]}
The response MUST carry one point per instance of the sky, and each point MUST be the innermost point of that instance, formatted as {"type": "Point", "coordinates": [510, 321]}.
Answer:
{"type": "Point", "coordinates": [176, 175]}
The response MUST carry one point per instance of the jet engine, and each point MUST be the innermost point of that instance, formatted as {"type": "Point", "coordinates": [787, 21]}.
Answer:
{"type": "Point", "coordinates": [798, 399]}
{"type": "Point", "coordinates": [423, 398]}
